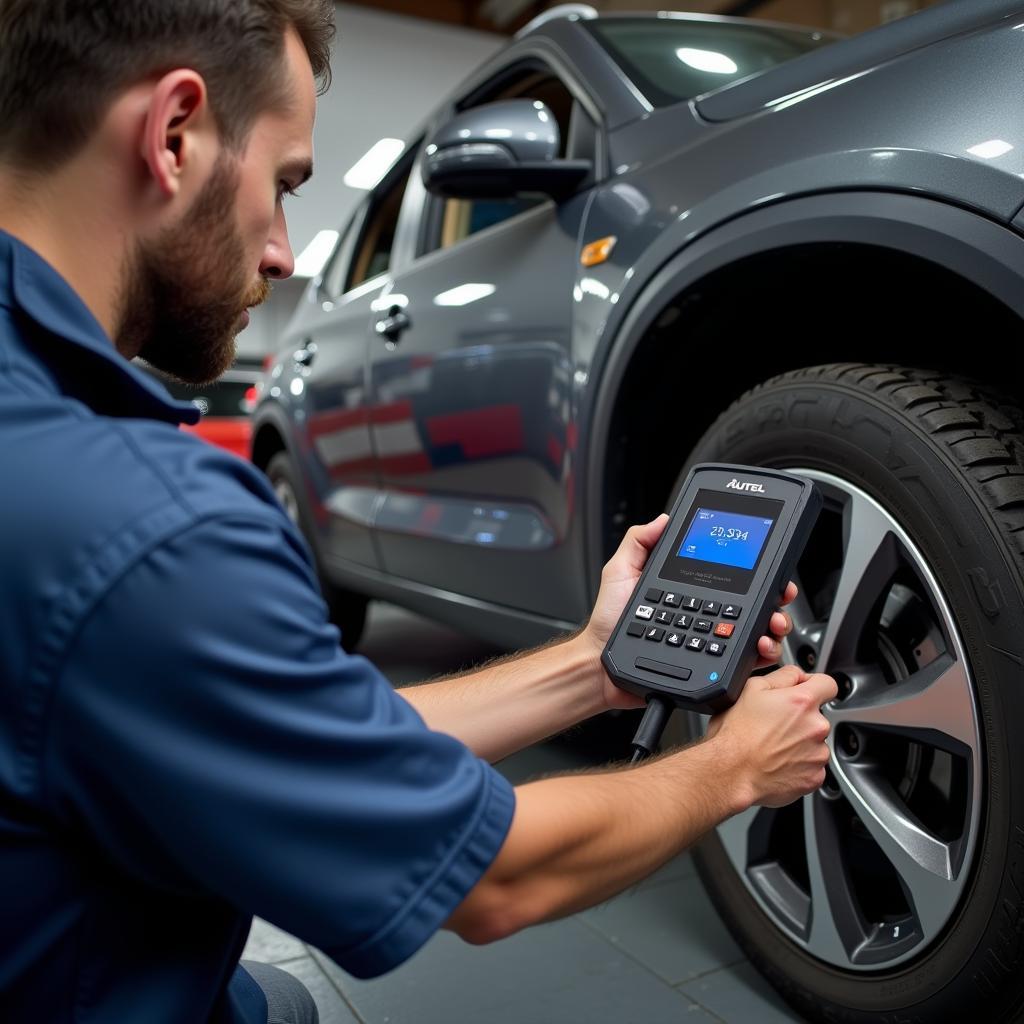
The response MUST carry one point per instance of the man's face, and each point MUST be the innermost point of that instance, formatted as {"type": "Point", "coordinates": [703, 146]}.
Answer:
{"type": "Point", "coordinates": [188, 289]}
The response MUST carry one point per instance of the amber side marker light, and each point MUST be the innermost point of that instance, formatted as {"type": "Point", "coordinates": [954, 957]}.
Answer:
{"type": "Point", "coordinates": [597, 252]}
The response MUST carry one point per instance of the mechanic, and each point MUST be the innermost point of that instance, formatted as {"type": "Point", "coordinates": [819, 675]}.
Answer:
{"type": "Point", "coordinates": [183, 743]}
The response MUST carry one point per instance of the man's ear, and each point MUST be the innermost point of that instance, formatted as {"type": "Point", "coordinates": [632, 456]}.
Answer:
{"type": "Point", "coordinates": [178, 111]}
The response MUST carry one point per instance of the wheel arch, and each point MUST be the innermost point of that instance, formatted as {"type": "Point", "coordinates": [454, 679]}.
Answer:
{"type": "Point", "coordinates": [270, 435]}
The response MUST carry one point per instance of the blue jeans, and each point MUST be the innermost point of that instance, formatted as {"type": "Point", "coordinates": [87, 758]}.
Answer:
{"type": "Point", "coordinates": [288, 1000]}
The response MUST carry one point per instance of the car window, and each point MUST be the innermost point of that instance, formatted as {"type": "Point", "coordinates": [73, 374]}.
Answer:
{"type": "Point", "coordinates": [373, 253]}
{"type": "Point", "coordinates": [674, 59]}
{"type": "Point", "coordinates": [462, 218]}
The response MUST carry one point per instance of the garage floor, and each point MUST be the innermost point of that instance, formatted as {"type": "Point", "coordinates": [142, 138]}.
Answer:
{"type": "Point", "coordinates": [657, 953]}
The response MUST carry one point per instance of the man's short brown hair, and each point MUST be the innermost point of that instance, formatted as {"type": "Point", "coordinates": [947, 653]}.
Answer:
{"type": "Point", "coordinates": [62, 62]}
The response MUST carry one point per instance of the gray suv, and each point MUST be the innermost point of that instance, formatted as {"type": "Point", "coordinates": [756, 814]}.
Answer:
{"type": "Point", "coordinates": [631, 243]}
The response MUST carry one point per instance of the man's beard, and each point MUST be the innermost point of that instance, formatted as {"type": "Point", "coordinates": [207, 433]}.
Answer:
{"type": "Point", "coordinates": [184, 292]}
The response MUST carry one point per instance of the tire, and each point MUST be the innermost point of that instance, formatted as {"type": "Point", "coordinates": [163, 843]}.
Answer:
{"type": "Point", "coordinates": [920, 824]}
{"type": "Point", "coordinates": [347, 610]}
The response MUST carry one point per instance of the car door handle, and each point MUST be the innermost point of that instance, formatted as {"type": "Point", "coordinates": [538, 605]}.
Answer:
{"type": "Point", "coordinates": [305, 355]}
{"type": "Point", "coordinates": [392, 326]}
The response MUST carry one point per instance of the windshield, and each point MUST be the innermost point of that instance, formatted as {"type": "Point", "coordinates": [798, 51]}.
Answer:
{"type": "Point", "coordinates": [672, 59]}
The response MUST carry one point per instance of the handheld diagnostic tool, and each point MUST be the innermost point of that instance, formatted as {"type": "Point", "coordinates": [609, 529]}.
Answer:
{"type": "Point", "coordinates": [689, 634]}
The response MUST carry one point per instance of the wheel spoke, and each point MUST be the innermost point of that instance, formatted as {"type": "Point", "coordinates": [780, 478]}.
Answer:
{"type": "Point", "coordinates": [835, 926]}
{"type": "Point", "coordinates": [934, 706]}
{"type": "Point", "coordinates": [870, 558]}
{"type": "Point", "coordinates": [735, 836]}
{"type": "Point", "coordinates": [924, 863]}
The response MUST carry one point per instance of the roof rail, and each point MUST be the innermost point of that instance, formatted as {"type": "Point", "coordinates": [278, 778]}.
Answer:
{"type": "Point", "coordinates": [570, 12]}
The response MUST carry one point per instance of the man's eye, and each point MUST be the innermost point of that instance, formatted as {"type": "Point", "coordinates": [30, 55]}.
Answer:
{"type": "Point", "coordinates": [284, 189]}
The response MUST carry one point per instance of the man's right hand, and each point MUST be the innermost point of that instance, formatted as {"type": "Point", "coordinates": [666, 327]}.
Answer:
{"type": "Point", "coordinates": [775, 735]}
{"type": "Point", "coordinates": [576, 840]}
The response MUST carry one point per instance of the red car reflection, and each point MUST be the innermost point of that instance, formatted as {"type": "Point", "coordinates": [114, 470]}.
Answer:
{"type": "Point", "coordinates": [225, 405]}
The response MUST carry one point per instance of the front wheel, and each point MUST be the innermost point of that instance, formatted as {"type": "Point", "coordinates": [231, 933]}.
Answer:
{"type": "Point", "coordinates": [895, 892]}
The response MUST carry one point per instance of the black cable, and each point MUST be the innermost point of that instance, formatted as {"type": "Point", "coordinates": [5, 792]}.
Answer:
{"type": "Point", "coordinates": [647, 737]}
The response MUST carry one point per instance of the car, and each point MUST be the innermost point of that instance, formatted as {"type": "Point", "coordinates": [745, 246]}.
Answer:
{"type": "Point", "coordinates": [226, 404]}
{"type": "Point", "coordinates": [631, 243]}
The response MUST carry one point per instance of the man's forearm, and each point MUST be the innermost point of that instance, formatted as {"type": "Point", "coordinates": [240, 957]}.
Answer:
{"type": "Point", "coordinates": [517, 701]}
{"type": "Point", "coordinates": [577, 840]}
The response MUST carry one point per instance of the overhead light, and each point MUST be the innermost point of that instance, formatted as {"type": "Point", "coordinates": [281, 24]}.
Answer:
{"type": "Point", "coordinates": [368, 171]}
{"type": "Point", "coordinates": [991, 149]}
{"type": "Point", "coordinates": [707, 60]}
{"type": "Point", "coordinates": [464, 294]}
{"type": "Point", "coordinates": [312, 259]}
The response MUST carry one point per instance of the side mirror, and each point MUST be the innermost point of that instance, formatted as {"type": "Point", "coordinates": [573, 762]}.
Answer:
{"type": "Point", "coordinates": [501, 150]}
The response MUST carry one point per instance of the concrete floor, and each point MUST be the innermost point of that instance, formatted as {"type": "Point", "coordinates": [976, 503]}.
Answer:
{"type": "Point", "coordinates": [657, 953]}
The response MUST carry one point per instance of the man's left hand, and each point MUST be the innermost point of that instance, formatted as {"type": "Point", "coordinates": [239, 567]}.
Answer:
{"type": "Point", "coordinates": [618, 580]}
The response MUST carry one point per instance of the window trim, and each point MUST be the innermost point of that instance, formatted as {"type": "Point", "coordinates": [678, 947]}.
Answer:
{"type": "Point", "coordinates": [352, 229]}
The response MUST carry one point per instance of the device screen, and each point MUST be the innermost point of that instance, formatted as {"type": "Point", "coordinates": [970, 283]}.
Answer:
{"type": "Point", "coordinates": [725, 538]}
{"type": "Point", "coordinates": [721, 541]}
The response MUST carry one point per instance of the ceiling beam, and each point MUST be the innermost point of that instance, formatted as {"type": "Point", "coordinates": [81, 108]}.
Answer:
{"type": "Point", "coordinates": [743, 8]}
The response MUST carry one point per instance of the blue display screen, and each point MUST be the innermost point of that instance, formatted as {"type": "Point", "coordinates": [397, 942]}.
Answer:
{"type": "Point", "coordinates": [725, 538]}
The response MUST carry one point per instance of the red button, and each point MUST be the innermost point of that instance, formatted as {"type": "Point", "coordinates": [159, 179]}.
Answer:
{"type": "Point", "coordinates": [724, 629]}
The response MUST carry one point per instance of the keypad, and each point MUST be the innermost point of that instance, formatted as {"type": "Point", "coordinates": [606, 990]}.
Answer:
{"type": "Point", "coordinates": [670, 622]}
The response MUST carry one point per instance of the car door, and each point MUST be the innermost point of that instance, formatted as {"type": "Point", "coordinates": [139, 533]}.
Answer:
{"type": "Point", "coordinates": [333, 336]}
{"type": "Point", "coordinates": [471, 374]}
